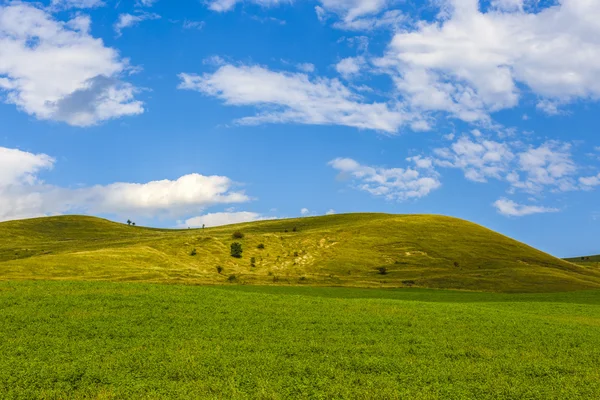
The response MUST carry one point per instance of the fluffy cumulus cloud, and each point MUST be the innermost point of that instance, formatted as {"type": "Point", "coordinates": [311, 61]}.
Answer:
{"type": "Point", "coordinates": [511, 209]}
{"type": "Point", "coordinates": [480, 160]}
{"type": "Point", "coordinates": [472, 61]}
{"type": "Point", "coordinates": [476, 58]}
{"type": "Point", "coordinates": [304, 211]}
{"type": "Point", "coordinates": [531, 169]}
{"type": "Point", "coordinates": [350, 66]}
{"type": "Point", "coordinates": [293, 98]}
{"type": "Point", "coordinates": [129, 20]}
{"type": "Point", "coordinates": [23, 194]}
{"type": "Point", "coordinates": [221, 218]}
{"type": "Point", "coordinates": [57, 71]}
{"type": "Point", "coordinates": [391, 183]}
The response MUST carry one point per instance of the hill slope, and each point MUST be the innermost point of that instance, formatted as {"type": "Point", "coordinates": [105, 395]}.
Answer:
{"type": "Point", "coordinates": [415, 250]}
{"type": "Point", "coordinates": [587, 261]}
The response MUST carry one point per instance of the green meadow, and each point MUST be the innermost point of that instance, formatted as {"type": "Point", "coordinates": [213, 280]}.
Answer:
{"type": "Point", "coordinates": [358, 306]}
{"type": "Point", "coordinates": [137, 341]}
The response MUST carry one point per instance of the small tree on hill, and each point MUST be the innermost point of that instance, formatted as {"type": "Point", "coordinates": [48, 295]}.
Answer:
{"type": "Point", "coordinates": [128, 222]}
{"type": "Point", "coordinates": [236, 250]}
{"type": "Point", "coordinates": [238, 235]}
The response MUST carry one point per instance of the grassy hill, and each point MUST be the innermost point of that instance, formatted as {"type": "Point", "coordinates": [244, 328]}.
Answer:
{"type": "Point", "coordinates": [338, 250]}
{"type": "Point", "coordinates": [586, 261]}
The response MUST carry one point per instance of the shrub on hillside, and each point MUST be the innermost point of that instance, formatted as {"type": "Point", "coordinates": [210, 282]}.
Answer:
{"type": "Point", "coordinates": [260, 246]}
{"type": "Point", "coordinates": [382, 270]}
{"type": "Point", "coordinates": [193, 252]}
{"type": "Point", "coordinates": [232, 278]}
{"type": "Point", "coordinates": [219, 269]}
{"type": "Point", "coordinates": [253, 261]}
{"type": "Point", "coordinates": [238, 235]}
{"type": "Point", "coordinates": [236, 250]}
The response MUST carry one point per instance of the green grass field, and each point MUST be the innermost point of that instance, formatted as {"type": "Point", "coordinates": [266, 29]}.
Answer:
{"type": "Point", "coordinates": [92, 309]}
{"type": "Point", "coordinates": [340, 250]}
{"type": "Point", "coordinates": [111, 340]}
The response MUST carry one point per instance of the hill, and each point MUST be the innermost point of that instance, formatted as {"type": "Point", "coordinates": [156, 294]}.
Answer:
{"type": "Point", "coordinates": [366, 250]}
{"type": "Point", "coordinates": [586, 261]}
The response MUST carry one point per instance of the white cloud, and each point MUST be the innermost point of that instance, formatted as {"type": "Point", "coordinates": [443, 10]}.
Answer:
{"type": "Point", "coordinates": [65, 4]}
{"type": "Point", "coordinates": [222, 218]}
{"type": "Point", "coordinates": [228, 5]}
{"type": "Point", "coordinates": [590, 181]}
{"type": "Point", "coordinates": [56, 71]}
{"type": "Point", "coordinates": [321, 13]}
{"type": "Point", "coordinates": [23, 194]}
{"type": "Point", "coordinates": [306, 67]}
{"type": "Point", "coordinates": [18, 167]}
{"type": "Point", "coordinates": [305, 211]}
{"type": "Point", "coordinates": [532, 169]}
{"type": "Point", "coordinates": [187, 24]}
{"type": "Point", "coordinates": [392, 19]}
{"type": "Point", "coordinates": [511, 209]}
{"type": "Point", "coordinates": [331, 211]}
{"type": "Point", "coordinates": [293, 98]}
{"type": "Point", "coordinates": [470, 63]}
{"type": "Point", "coordinates": [350, 66]}
{"type": "Point", "coordinates": [393, 183]}
{"type": "Point", "coordinates": [549, 164]}
{"type": "Point", "coordinates": [479, 160]}
{"type": "Point", "coordinates": [145, 3]}
{"type": "Point", "coordinates": [129, 20]}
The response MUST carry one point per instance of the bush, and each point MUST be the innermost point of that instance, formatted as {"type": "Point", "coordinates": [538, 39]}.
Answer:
{"type": "Point", "coordinates": [219, 269]}
{"type": "Point", "coordinates": [456, 264]}
{"type": "Point", "coordinates": [295, 229]}
{"type": "Point", "coordinates": [232, 278]}
{"type": "Point", "coordinates": [236, 250]}
{"type": "Point", "coordinates": [295, 254]}
{"type": "Point", "coordinates": [260, 246]}
{"type": "Point", "coordinates": [253, 261]}
{"type": "Point", "coordinates": [382, 270]}
{"type": "Point", "coordinates": [238, 235]}
{"type": "Point", "coordinates": [193, 252]}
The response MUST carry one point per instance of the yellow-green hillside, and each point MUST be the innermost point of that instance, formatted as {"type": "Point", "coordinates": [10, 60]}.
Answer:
{"type": "Point", "coordinates": [586, 261]}
{"type": "Point", "coordinates": [348, 250]}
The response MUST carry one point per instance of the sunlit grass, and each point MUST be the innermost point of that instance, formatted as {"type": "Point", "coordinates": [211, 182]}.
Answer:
{"type": "Point", "coordinates": [339, 250]}
{"type": "Point", "coordinates": [136, 340]}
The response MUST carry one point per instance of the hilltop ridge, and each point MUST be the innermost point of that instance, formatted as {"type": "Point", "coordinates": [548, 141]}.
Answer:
{"type": "Point", "coordinates": [366, 250]}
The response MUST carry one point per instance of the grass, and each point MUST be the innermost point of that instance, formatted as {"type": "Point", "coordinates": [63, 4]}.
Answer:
{"type": "Point", "coordinates": [136, 340]}
{"type": "Point", "coordinates": [340, 250]}
{"type": "Point", "coordinates": [587, 261]}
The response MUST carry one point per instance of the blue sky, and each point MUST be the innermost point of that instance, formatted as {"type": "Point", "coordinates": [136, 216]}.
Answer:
{"type": "Point", "coordinates": [186, 113]}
